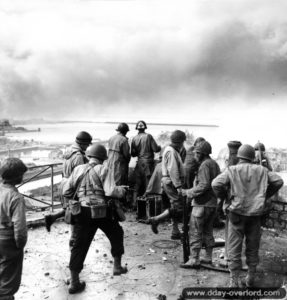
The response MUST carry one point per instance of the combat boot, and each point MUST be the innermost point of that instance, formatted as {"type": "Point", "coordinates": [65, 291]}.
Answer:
{"type": "Point", "coordinates": [234, 279]}
{"type": "Point", "coordinates": [154, 224]}
{"type": "Point", "coordinates": [250, 277]}
{"type": "Point", "coordinates": [118, 269]}
{"type": "Point", "coordinates": [48, 222]}
{"type": "Point", "coordinates": [193, 262]}
{"type": "Point", "coordinates": [76, 286]}
{"type": "Point", "coordinates": [175, 234]}
{"type": "Point", "coordinates": [207, 259]}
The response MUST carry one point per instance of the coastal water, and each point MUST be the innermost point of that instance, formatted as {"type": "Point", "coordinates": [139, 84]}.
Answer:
{"type": "Point", "coordinates": [64, 133]}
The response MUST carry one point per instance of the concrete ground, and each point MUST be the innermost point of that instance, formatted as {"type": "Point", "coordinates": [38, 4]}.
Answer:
{"type": "Point", "coordinates": [153, 263]}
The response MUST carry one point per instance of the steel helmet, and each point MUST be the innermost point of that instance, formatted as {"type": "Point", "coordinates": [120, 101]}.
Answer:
{"type": "Point", "coordinates": [12, 168]}
{"type": "Point", "coordinates": [246, 152]}
{"type": "Point", "coordinates": [141, 125]}
{"type": "Point", "coordinates": [204, 148]}
{"type": "Point", "coordinates": [178, 137]}
{"type": "Point", "coordinates": [198, 140]}
{"type": "Point", "coordinates": [84, 138]}
{"type": "Point", "coordinates": [259, 146]}
{"type": "Point", "coordinates": [123, 128]}
{"type": "Point", "coordinates": [97, 150]}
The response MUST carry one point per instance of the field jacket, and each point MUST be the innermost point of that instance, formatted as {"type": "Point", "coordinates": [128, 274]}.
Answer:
{"type": "Point", "coordinates": [249, 186]}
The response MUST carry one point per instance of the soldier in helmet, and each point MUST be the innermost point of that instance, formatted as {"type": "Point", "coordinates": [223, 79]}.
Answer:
{"type": "Point", "coordinates": [190, 164]}
{"type": "Point", "coordinates": [261, 157]}
{"type": "Point", "coordinates": [248, 185]}
{"type": "Point", "coordinates": [86, 186]}
{"type": "Point", "coordinates": [119, 155]}
{"type": "Point", "coordinates": [143, 146]}
{"type": "Point", "coordinates": [13, 230]}
{"type": "Point", "coordinates": [204, 203]}
{"type": "Point", "coordinates": [74, 157]}
{"type": "Point", "coordinates": [172, 182]}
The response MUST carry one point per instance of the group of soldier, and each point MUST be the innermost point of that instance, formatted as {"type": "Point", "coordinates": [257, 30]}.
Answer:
{"type": "Point", "coordinates": [94, 180]}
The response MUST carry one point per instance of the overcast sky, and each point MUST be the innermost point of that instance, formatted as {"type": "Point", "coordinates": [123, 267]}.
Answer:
{"type": "Point", "coordinates": [196, 60]}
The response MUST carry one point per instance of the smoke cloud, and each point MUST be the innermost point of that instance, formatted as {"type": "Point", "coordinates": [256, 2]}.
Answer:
{"type": "Point", "coordinates": [84, 59]}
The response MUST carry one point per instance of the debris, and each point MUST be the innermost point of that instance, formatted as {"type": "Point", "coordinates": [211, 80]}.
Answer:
{"type": "Point", "coordinates": [110, 261]}
{"type": "Point", "coordinates": [151, 250]}
{"type": "Point", "coordinates": [141, 267]}
{"type": "Point", "coordinates": [97, 251]}
{"type": "Point", "coordinates": [161, 297]}
{"type": "Point", "coordinates": [165, 252]}
{"type": "Point", "coordinates": [164, 258]}
{"type": "Point", "coordinates": [47, 274]}
{"type": "Point", "coordinates": [105, 255]}
{"type": "Point", "coordinates": [136, 233]}
{"type": "Point", "coordinates": [154, 284]}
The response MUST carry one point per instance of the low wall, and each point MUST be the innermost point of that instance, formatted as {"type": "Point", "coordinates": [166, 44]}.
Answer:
{"type": "Point", "coordinates": [277, 218]}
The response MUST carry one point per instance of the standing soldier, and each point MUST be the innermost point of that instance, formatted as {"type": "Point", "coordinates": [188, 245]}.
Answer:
{"type": "Point", "coordinates": [119, 155]}
{"type": "Point", "coordinates": [172, 181]}
{"type": "Point", "coordinates": [13, 230]}
{"type": "Point", "coordinates": [143, 146]}
{"type": "Point", "coordinates": [204, 203]}
{"type": "Point", "coordinates": [232, 160]}
{"type": "Point", "coordinates": [86, 185]}
{"type": "Point", "coordinates": [191, 165]}
{"type": "Point", "coordinates": [249, 186]}
{"type": "Point", "coordinates": [261, 157]}
{"type": "Point", "coordinates": [74, 157]}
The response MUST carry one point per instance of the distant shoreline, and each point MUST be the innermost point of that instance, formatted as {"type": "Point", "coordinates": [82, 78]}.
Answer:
{"type": "Point", "coordinates": [133, 123]}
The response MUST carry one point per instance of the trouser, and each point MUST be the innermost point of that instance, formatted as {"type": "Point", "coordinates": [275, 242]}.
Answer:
{"type": "Point", "coordinates": [226, 237]}
{"type": "Point", "coordinates": [143, 173]}
{"type": "Point", "coordinates": [201, 227]}
{"type": "Point", "coordinates": [11, 263]}
{"type": "Point", "coordinates": [176, 201]}
{"type": "Point", "coordinates": [84, 230]}
{"type": "Point", "coordinates": [240, 227]}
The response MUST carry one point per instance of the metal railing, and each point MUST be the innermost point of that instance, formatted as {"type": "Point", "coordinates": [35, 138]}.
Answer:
{"type": "Point", "coordinates": [47, 170]}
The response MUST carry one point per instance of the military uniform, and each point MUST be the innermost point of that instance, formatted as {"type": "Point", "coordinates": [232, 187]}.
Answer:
{"type": "Point", "coordinates": [172, 178]}
{"type": "Point", "coordinates": [91, 189]}
{"type": "Point", "coordinates": [119, 158]}
{"type": "Point", "coordinates": [249, 186]}
{"type": "Point", "coordinates": [13, 238]}
{"type": "Point", "coordinates": [190, 168]}
{"type": "Point", "coordinates": [204, 205]}
{"type": "Point", "coordinates": [74, 157]}
{"type": "Point", "coordinates": [143, 146]}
